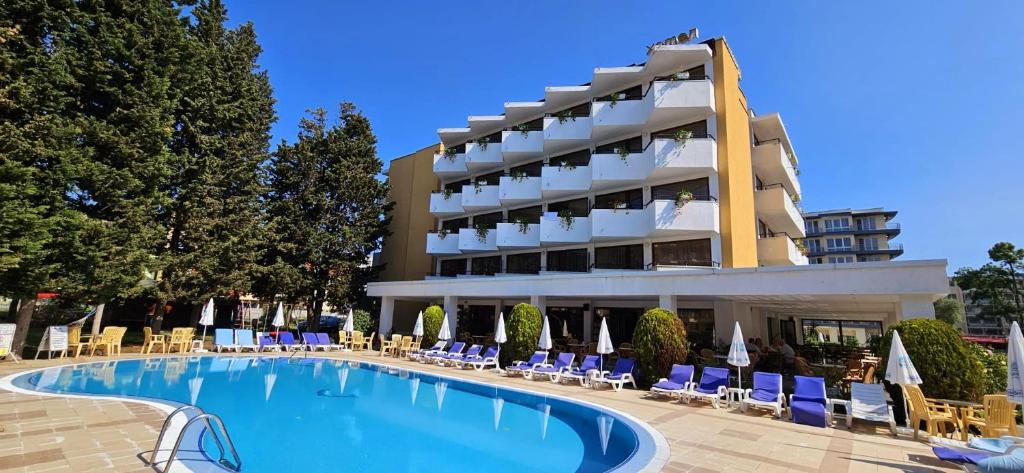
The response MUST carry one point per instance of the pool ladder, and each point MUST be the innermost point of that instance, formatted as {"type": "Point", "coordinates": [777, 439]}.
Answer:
{"type": "Point", "coordinates": [170, 425]}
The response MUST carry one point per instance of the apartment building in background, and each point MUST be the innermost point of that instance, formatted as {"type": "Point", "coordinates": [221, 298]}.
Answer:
{"type": "Point", "coordinates": [851, 236]}
{"type": "Point", "coordinates": [655, 184]}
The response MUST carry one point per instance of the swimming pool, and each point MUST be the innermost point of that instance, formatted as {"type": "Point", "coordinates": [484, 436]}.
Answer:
{"type": "Point", "coordinates": [334, 415]}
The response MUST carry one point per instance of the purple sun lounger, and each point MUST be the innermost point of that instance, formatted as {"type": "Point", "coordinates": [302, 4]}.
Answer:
{"type": "Point", "coordinates": [808, 404]}
{"type": "Point", "coordinates": [562, 363]}
{"type": "Point", "coordinates": [678, 381]}
{"type": "Point", "coordinates": [520, 367]}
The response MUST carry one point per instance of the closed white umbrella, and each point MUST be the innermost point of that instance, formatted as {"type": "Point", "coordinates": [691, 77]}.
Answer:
{"type": "Point", "coordinates": [445, 332]}
{"type": "Point", "coordinates": [350, 323]}
{"type": "Point", "coordinates": [604, 341]}
{"type": "Point", "coordinates": [440, 388]}
{"type": "Point", "coordinates": [417, 329]}
{"type": "Point", "coordinates": [278, 318]}
{"type": "Point", "coordinates": [545, 336]}
{"type": "Point", "coordinates": [899, 369]}
{"type": "Point", "coordinates": [1015, 362]}
{"type": "Point", "coordinates": [499, 404]}
{"type": "Point", "coordinates": [500, 337]}
{"type": "Point", "coordinates": [604, 429]}
{"type": "Point", "coordinates": [206, 320]}
{"type": "Point", "coordinates": [738, 354]}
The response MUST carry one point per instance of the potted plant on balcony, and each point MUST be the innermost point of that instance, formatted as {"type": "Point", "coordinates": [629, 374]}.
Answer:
{"type": "Point", "coordinates": [618, 205]}
{"type": "Point", "coordinates": [684, 75]}
{"type": "Point", "coordinates": [681, 136]}
{"type": "Point", "coordinates": [481, 231]}
{"type": "Point", "coordinates": [524, 224]}
{"type": "Point", "coordinates": [683, 197]}
{"type": "Point", "coordinates": [623, 152]}
{"type": "Point", "coordinates": [566, 165]}
{"type": "Point", "coordinates": [447, 193]}
{"type": "Point", "coordinates": [442, 233]}
{"type": "Point", "coordinates": [800, 247]}
{"type": "Point", "coordinates": [614, 98]}
{"type": "Point", "coordinates": [524, 129]}
{"type": "Point", "coordinates": [478, 187]}
{"type": "Point", "coordinates": [564, 116]}
{"type": "Point", "coordinates": [565, 215]}
{"type": "Point", "coordinates": [449, 154]}
{"type": "Point", "coordinates": [482, 143]}
{"type": "Point", "coordinates": [518, 176]}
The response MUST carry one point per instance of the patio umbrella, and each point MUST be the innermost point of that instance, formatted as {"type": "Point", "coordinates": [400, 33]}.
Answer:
{"type": "Point", "coordinates": [1015, 361]}
{"type": "Point", "coordinates": [349, 323]}
{"type": "Point", "coordinates": [440, 388]}
{"type": "Point", "coordinates": [445, 333]}
{"type": "Point", "coordinates": [899, 369]}
{"type": "Point", "coordinates": [414, 387]}
{"type": "Point", "coordinates": [206, 320]}
{"type": "Point", "coordinates": [604, 341]}
{"type": "Point", "coordinates": [278, 319]}
{"type": "Point", "coordinates": [417, 329]}
{"type": "Point", "coordinates": [499, 404]}
{"type": "Point", "coordinates": [738, 354]}
{"type": "Point", "coordinates": [604, 429]}
{"type": "Point", "coordinates": [500, 337]}
{"type": "Point", "coordinates": [545, 336]}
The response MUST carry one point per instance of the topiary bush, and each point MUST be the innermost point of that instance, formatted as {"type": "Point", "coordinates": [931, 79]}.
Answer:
{"type": "Point", "coordinates": [659, 341]}
{"type": "Point", "coordinates": [363, 322]}
{"type": "Point", "coordinates": [948, 367]}
{"type": "Point", "coordinates": [432, 318]}
{"type": "Point", "coordinates": [522, 327]}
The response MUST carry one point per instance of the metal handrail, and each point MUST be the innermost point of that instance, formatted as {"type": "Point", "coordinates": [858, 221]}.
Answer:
{"type": "Point", "coordinates": [205, 417]}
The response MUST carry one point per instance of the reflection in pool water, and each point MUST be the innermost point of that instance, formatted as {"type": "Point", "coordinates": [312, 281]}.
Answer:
{"type": "Point", "coordinates": [333, 415]}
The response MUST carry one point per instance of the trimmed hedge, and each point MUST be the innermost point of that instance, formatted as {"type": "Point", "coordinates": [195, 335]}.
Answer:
{"type": "Point", "coordinates": [948, 367]}
{"type": "Point", "coordinates": [659, 341]}
{"type": "Point", "coordinates": [432, 318]}
{"type": "Point", "coordinates": [522, 327]}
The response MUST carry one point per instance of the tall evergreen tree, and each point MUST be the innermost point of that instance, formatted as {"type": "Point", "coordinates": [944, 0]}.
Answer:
{"type": "Point", "coordinates": [220, 141]}
{"type": "Point", "coordinates": [328, 208]}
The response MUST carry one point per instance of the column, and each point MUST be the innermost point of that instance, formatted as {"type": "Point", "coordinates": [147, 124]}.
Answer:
{"type": "Point", "coordinates": [387, 314]}
{"type": "Point", "coordinates": [540, 302]}
{"type": "Point", "coordinates": [588, 323]}
{"type": "Point", "coordinates": [451, 307]}
{"type": "Point", "coordinates": [668, 303]}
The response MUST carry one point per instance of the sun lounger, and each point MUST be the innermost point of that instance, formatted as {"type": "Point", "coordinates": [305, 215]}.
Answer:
{"type": "Point", "coordinates": [457, 347]}
{"type": "Point", "coordinates": [312, 343]}
{"type": "Point", "coordinates": [988, 455]}
{"type": "Point", "coordinates": [451, 358]}
{"type": "Point", "coordinates": [267, 343]}
{"type": "Point", "coordinates": [621, 374]}
{"type": "Point", "coordinates": [678, 381]}
{"type": "Point", "coordinates": [808, 404]}
{"type": "Point", "coordinates": [712, 386]}
{"type": "Point", "coordinates": [868, 403]}
{"type": "Point", "coordinates": [224, 339]}
{"type": "Point", "coordinates": [562, 363]}
{"type": "Point", "coordinates": [245, 340]}
{"type": "Point", "coordinates": [437, 348]}
{"type": "Point", "coordinates": [325, 340]}
{"type": "Point", "coordinates": [518, 367]}
{"type": "Point", "coordinates": [591, 364]}
{"type": "Point", "coordinates": [287, 341]}
{"type": "Point", "coordinates": [766, 394]}
{"type": "Point", "coordinates": [480, 362]}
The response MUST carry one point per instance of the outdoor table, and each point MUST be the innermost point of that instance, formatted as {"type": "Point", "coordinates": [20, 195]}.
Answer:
{"type": "Point", "coordinates": [957, 408]}
{"type": "Point", "coordinates": [847, 405]}
{"type": "Point", "coordinates": [733, 396]}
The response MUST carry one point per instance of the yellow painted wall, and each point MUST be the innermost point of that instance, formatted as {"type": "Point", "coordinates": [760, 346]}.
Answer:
{"type": "Point", "coordinates": [735, 171]}
{"type": "Point", "coordinates": [411, 179]}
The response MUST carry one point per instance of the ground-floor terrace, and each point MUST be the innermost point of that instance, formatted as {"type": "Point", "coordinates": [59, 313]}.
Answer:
{"type": "Point", "coordinates": [811, 307]}
{"type": "Point", "coordinates": [44, 433]}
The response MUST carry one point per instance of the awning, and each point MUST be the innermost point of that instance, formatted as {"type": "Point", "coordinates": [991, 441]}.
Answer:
{"type": "Point", "coordinates": [985, 340]}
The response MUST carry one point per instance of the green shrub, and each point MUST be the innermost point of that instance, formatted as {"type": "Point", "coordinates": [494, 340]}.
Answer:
{"type": "Point", "coordinates": [432, 318]}
{"type": "Point", "coordinates": [659, 341]}
{"type": "Point", "coordinates": [522, 327]}
{"type": "Point", "coordinates": [363, 322]}
{"type": "Point", "coordinates": [994, 366]}
{"type": "Point", "coordinates": [948, 367]}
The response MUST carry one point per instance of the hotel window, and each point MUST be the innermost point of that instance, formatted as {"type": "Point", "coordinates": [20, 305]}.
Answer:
{"type": "Point", "coordinates": [569, 260]}
{"type": "Point", "coordinates": [452, 267]}
{"type": "Point", "coordinates": [837, 224]}
{"type": "Point", "coordinates": [696, 129]}
{"type": "Point", "coordinates": [700, 188]}
{"type": "Point", "coordinates": [485, 266]}
{"type": "Point", "coordinates": [838, 244]}
{"type": "Point", "coordinates": [811, 226]}
{"type": "Point", "coordinates": [868, 244]}
{"type": "Point", "coordinates": [491, 179]}
{"type": "Point", "coordinates": [866, 223]}
{"type": "Point", "coordinates": [531, 214]}
{"type": "Point", "coordinates": [490, 220]}
{"type": "Point", "coordinates": [813, 245]}
{"type": "Point", "coordinates": [578, 207]}
{"type": "Point", "coordinates": [628, 199]}
{"type": "Point", "coordinates": [840, 259]}
{"type": "Point", "coordinates": [850, 333]}
{"type": "Point", "coordinates": [456, 187]}
{"type": "Point", "coordinates": [455, 224]}
{"type": "Point", "coordinates": [531, 169]}
{"type": "Point", "coordinates": [870, 258]}
{"type": "Point", "coordinates": [523, 263]}
{"type": "Point", "coordinates": [817, 260]}
{"type": "Point", "coordinates": [632, 93]}
{"type": "Point", "coordinates": [683, 253]}
{"type": "Point", "coordinates": [634, 145]}
{"type": "Point", "coordinates": [700, 326]}
{"type": "Point", "coordinates": [619, 257]}
{"type": "Point", "coordinates": [576, 158]}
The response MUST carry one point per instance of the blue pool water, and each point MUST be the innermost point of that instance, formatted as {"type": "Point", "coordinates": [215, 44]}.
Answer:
{"type": "Point", "coordinates": [333, 415]}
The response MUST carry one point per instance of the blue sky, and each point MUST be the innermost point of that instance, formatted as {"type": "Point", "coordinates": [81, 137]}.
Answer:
{"type": "Point", "coordinates": [914, 106]}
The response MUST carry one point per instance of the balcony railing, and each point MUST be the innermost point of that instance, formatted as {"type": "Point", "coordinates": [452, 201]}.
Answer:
{"type": "Point", "coordinates": [892, 249]}
{"type": "Point", "coordinates": [887, 228]}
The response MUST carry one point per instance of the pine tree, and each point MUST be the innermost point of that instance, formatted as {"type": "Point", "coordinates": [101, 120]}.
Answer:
{"type": "Point", "coordinates": [220, 141]}
{"type": "Point", "coordinates": [328, 209]}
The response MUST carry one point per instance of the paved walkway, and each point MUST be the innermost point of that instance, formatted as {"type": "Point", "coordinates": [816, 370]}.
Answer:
{"type": "Point", "coordinates": [63, 434]}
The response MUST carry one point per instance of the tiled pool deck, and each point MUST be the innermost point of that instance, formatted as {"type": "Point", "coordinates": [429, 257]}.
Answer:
{"type": "Point", "coordinates": [43, 433]}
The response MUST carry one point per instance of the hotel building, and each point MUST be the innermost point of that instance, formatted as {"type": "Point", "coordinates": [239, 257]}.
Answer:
{"type": "Point", "coordinates": [849, 236]}
{"type": "Point", "coordinates": [654, 185]}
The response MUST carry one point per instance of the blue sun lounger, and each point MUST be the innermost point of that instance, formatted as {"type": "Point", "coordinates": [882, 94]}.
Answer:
{"type": "Point", "coordinates": [287, 341]}
{"type": "Point", "coordinates": [478, 362]}
{"type": "Point", "coordinates": [766, 394]}
{"type": "Point", "coordinates": [619, 376]}
{"type": "Point", "coordinates": [591, 364]}
{"type": "Point", "coordinates": [712, 386]}
{"type": "Point", "coordinates": [678, 381]}
{"type": "Point", "coordinates": [457, 347]}
{"type": "Point", "coordinates": [562, 363]}
{"type": "Point", "coordinates": [808, 404]}
{"type": "Point", "coordinates": [224, 339]}
{"type": "Point", "coordinates": [519, 367]}
{"type": "Point", "coordinates": [451, 358]}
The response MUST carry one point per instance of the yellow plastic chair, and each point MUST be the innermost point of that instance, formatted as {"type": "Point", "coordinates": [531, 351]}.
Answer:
{"type": "Point", "coordinates": [109, 341]}
{"type": "Point", "coordinates": [368, 341]}
{"type": "Point", "coordinates": [392, 346]}
{"type": "Point", "coordinates": [934, 415]}
{"type": "Point", "coordinates": [999, 417]}
{"type": "Point", "coordinates": [343, 339]}
{"type": "Point", "coordinates": [149, 340]}
{"type": "Point", "coordinates": [406, 347]}
{"type": "Point", "coordinates": [181, 338]}
{"type": "Point", "coordinates": [75, 339]}
{"type": "Point", "coordinates": [356, 342]}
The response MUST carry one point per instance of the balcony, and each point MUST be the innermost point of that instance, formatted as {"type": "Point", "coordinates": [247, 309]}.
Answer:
{"type": "Point", "coordinates": [444, 206]}
{"type": "Point", "coordinates": [612, 170]}
{"type": "Point", "coordinates": [617, 118]}
{"type": "Point", "coordinates": [518, 146]}
{"type": "Point", "coordinates": [480, 197]}
{"type": "Point", "coordinates": [779, 251]}
{"type": "Point", "coordinates": [890, 229]}
{"type": "Point", "coordinates": [512, 190]}
{"type": "Point", "coordinates": [561, 134]}
{"type": "Point", "coordinates": [449, 166]}
{"type": "Point", "coordinates": [777, 209]}
{"type": "Point", "coordinates": [511, 236]}
{"type": "Point", "coordinates": [470, 241]}
{"type": "Point", "coordinates": [482, 155]}
{"type": "Point", "coordinates": [449, 245]}
{"type": "Point", "coordinates": [694, 157]}
{"type": "Point", "coordinates": [619, 223]}
{"type": "Point", "coordinates": [562, 180]}
{"type": "Point", "coordinates": [772, 164]}
{"type": "Point", "coordinates": [680, 101]}
{"type": "Point", "coordinates": [695, 218]}
{"type": "Point", "coordinates": [554, 231]}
